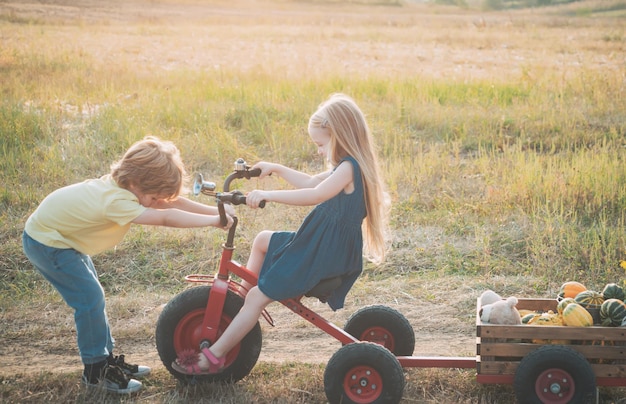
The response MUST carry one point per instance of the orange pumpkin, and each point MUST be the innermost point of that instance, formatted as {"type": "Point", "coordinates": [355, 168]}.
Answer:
{"type": "Point", "coordinates": [571, 289]}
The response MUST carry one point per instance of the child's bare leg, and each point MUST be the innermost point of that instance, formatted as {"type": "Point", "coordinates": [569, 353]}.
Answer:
{"type": "Point", "coordinates": [257, 256]}
{"type": "Point", "coordinates": [243, 322]}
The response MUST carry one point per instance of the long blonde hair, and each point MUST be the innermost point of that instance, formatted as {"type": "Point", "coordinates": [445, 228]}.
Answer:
{"type": "Point", "coordinates": [350, 136]}
{"type": "Point", "coordinates": [153, 166]}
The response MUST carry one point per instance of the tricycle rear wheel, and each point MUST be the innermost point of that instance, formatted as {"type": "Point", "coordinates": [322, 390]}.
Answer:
{"type": "Point", "coordinates": [179, 328]}
{"type": "Point", "coordinates": [385, 326]}
{"type": "Point", "coordinates": [363, 372]}
{"type": "Point", "coordinates": [554, 374]}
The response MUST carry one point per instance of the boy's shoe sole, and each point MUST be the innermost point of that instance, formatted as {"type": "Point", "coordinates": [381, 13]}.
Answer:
{"type": "Point", "coordinates": [127, 368]}
{"type": "Point", "coordinates": [133, 386]}
{"type": "Point", "coordinates": [142, 371]}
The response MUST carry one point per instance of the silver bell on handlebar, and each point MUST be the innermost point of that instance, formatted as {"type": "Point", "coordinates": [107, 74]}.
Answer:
{"type": "Point", "coordinates": [240, 165]}
{"type": "Point", "coordinates": [200, 185]}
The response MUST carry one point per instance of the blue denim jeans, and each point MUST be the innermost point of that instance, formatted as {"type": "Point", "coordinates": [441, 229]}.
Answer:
{"type": "Point", "coordinates": [74, 276]}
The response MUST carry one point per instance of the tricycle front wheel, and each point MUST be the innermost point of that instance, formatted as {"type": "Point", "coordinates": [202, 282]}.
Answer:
{"type": "Point", "coordinates": [554, 374]}
{"type": "Point", "coordinates": [179, 328]}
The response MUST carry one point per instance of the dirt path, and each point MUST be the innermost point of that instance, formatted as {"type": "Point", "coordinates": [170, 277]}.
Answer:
{"type": "Point", "coordinates": [49, 344]}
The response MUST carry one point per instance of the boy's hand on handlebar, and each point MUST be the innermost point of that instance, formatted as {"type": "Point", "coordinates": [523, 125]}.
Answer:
{"type": "Point", "coordinates": [229, 209]}
{"type": "Point", "coordinates": [254, 198]}
{"type": "Point", "coordinates": [229, 222]}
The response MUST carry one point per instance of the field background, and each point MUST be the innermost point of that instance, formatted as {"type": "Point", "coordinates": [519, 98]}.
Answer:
{"type": "Point", "coordinates": [501, 133]}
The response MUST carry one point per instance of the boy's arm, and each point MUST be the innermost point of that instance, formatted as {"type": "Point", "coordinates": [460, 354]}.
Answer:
{"type": "Point", "coordinates": [179, 218]}
{"type": "Point", "coordinates": [188, 205]}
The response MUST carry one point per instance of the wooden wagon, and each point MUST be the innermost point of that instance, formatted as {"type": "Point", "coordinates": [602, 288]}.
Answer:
{"type": "Point", "coordinates": [545, 364]}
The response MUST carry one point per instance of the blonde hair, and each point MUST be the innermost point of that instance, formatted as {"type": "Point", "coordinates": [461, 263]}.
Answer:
{"type": "Point", "coordinates": [350, 136]}
{"type": "Point", "coordinates": [153, 166]}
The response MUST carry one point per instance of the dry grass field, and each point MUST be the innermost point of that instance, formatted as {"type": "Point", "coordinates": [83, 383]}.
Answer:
{"type": "Point", "coordinates": [311, 40]}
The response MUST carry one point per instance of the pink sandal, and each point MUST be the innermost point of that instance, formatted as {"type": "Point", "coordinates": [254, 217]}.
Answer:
{"type": "Point", "coordinates": [216, 364]}
{"type": "Point", "coordinates": [187, 363]}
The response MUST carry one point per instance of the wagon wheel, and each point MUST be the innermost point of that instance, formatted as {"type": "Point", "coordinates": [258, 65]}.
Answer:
{"type": "Point", "coordinates": [363, 372]}
{"type": "Point", "coordinates": [385, 326]}
{"type": "Point", "coordinates": [554, 375]}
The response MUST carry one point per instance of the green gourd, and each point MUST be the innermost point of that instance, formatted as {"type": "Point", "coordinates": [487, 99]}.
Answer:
{"type": "Point", "coordinates": [612, 312]}
{"type": "Point", "coordinates": [589, 298]}
{"type": "Point", "coordinates": [613, 291]}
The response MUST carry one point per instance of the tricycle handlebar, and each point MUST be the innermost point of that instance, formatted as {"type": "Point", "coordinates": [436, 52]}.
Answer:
{"type": "Point", "coordinates": [242, 170]}
{"type": "Point", "coordinates": [238, 174]}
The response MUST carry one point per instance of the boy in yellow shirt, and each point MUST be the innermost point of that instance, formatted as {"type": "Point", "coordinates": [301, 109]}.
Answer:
{"type": "Point", "coordinates": [83, 219]}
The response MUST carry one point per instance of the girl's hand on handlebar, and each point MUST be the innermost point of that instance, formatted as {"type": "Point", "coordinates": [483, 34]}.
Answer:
{"type": "Point", "coordinates": [254, 198]}
{"type": "Point", "coordinates": [265, 167]}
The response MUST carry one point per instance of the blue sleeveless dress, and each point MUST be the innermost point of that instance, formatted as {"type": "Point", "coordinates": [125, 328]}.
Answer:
{"type": "Point", "coordinates": [329, 243]}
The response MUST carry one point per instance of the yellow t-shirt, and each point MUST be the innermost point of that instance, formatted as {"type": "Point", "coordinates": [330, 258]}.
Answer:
{"type": "Point", "coordinates": [89, 217]}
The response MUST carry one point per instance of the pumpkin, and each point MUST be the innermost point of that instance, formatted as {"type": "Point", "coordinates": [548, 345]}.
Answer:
{"type": "Point", "coordinates": [552, 341]}
{"type": "Point", "coordinates": [597, 342]}
{"type": "Point", "coordinates": [575, 315]}
{"type": "Point", "coordinates": [529, 316]}
{"type": "Point", "coordinates": [571, 289]}
{"type": "Point", "coordinates": [589, 298]}
{"type": "Point", "coordinates": [613, 291]}
{"type": "Point", "coordinates": [549, 318]}
{"type": "Point", "coordinates": [612, 312]}
{"type": "Point", "coordinates": [563, 304]}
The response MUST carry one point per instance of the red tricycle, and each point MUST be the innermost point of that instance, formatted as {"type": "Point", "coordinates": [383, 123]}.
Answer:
{"type": "Point", "coordinates": [378, 341]}
{"type": "Point", "coordinates": [362, 373]}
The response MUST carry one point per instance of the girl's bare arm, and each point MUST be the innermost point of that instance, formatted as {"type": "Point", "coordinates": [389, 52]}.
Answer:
{"type": "Point", "coordinates": [295, 178]}
{"type": "Point", "coordinates": [340, 179]}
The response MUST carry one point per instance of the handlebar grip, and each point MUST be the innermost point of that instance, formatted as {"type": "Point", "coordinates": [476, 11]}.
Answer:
{"type": "Point", "coordinates": [238, 199]}
{"type": "Point", "coordinates": [241, 200]}
{"type": "Point", "coordinates": [235, 198]}
{"type": "Point", "coordinates": [255, 173]}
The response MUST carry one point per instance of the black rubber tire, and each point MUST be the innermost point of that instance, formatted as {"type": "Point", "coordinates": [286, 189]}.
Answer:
{"type": "Point", "coordinates": [185, 311]}
{"type": "Point", "coordinates": [557, 366]}
{"type": "Point", "coordinates": [385, 326]}
{"type": "Point", "coordinates": [363, 372]}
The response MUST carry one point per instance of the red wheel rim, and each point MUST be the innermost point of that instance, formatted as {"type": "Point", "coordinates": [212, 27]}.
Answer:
{"type": "Point", "coordinates": [380, 336]}
{"type": "Point", "coordinates": [188, 334]}
{"type": "Point", "coordinates": [362, 384]}
{"type": "Point", "coordinates": [555, 386]}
